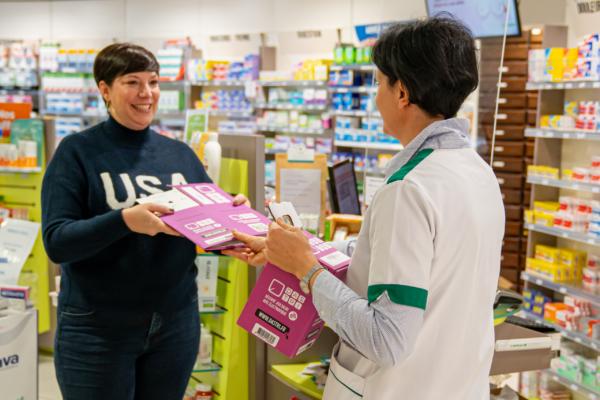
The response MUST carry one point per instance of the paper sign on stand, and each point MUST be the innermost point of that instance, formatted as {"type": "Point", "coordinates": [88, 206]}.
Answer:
{"type": "Point", "coordinates": [17, 238]}
{"type": "Point", "coordinates": [196, 121]}
{"type": "Point", "coordinates": [372, 184]}
{"type": "Point", "coordinates": [301, 187]}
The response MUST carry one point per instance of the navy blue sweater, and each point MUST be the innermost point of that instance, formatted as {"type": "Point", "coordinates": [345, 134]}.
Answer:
{"type": "Point", "coordinates": [93, 176]}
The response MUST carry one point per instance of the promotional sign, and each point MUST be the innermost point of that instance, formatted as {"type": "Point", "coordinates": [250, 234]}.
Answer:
{"type": "Point", "coordinates": [10, 112]}
{"type": "Point", "coordinates": [31, 130]}
{"type": "Point", "coordinates": [207, 216]}
{"type": "Point", "coordinates": [17, 238]}
{"type": "Point", "coordinates": [279, 313]}
{"type": "Point", "coordinates": [196, 121]}
{"type": "Point", "coordinates": [18, 356]}
{"type": "Point", "coordinates": [371, 31]}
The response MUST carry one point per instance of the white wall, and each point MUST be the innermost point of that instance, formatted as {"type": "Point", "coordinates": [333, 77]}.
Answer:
{"type": "Point", "coordinates": [95, 24]}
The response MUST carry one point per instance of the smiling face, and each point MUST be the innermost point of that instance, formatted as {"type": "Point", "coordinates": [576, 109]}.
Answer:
{"type": "Point", "coordinates": [133, 98]}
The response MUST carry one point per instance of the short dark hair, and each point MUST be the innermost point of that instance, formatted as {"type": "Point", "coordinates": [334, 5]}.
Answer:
{"type": "Point", "coordinates": [121, 59]}
{"type": "Point", "coordinates": [435, 59]}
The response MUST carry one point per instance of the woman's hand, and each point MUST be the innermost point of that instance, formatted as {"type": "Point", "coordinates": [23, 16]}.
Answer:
{"type": "Point", "coordinates": [241, 199]}
{"type": "Point", "coordinates": [141, 219]}
{"type": "Point", "coordinates": [288, 248]}
{"type": "Point", "coordinates": [253, 253]}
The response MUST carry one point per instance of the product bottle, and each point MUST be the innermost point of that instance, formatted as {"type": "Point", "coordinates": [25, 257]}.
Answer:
{"type": "Point", "coordinates": [203, 392]}
{"type": "Point", "coordinates": [205, 352]}
{"type": "Point", "coordinates": [212, 157]}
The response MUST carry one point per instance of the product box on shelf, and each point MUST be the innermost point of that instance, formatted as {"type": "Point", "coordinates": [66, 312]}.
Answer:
{"type": "Point", "coordinates": [280, 313]}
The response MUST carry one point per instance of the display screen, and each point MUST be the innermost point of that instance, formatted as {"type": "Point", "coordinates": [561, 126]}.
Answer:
{"type": "Point", "coordinates": [345, 186]}
{"type": "Point", "coordinates": [486, 18]}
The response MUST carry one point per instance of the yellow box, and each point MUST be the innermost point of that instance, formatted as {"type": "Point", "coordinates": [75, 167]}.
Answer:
{"type": "Point", "coordinates": [547, 253]}
{"type": "Point", "coordinates": [572, 108]}
{"type": "Point", "coordinates": [528, 214]}
{"type": "Point", "coordinates": [549, 172]}
{"type": "Point", "coordinates": [551, 206]}
{"type": "Point", "coordinates": [543, 218]}
{"type": "Point", "coordinates": [531, 265]}
{"type": "Point", "coordinates": [567, 174]}
{"type": "Point", "coordinates": [544, 121]}
{"type": "Point", "coordinates": [554, 121]}
{"type": "Point", "coordinates": [533, 170]}
{"type": "Point", "coordinates": [573, 258]}
{"type": "Point", "coordinates": [570, 64]}
{"type": "Point", "coordinates": [554, 63]}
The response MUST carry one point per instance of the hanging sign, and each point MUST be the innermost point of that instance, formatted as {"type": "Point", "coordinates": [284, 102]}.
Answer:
{"type": "Point", "coordinates": [371, 31]}
{"type": "Point", "coordinates": [196, 121]}
{"type": "Point", "coordinates": [10, 112]}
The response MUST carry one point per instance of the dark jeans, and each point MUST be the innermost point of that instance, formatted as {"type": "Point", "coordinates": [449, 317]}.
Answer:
{"type": "Point", "coordinates": [122, 356]}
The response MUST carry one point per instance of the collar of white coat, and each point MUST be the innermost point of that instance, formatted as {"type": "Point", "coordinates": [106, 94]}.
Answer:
{"type": "Point", "coordinates": [452, 133]}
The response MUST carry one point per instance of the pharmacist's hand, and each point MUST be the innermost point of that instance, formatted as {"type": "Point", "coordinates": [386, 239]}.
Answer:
{"type": "Point", "coordinates": [141, 219]}
{"type": "Point", "coordinates": [253, 253]}
{"type": "Point", "coordinates": [288, 248]}
{"type": "Point", "coordinates": [241, 199]}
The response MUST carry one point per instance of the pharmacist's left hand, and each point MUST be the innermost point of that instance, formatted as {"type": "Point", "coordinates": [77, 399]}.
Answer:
{"type": "Point", "coordinates": [241, 199]}
{"type": "Point", "coordinates": [288, 248]}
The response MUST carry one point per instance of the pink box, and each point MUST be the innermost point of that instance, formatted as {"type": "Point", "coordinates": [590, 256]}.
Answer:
{"type": "Point", "coordinates": [279, 313]}
{"type": "Point", "coordinates": [209, 224]}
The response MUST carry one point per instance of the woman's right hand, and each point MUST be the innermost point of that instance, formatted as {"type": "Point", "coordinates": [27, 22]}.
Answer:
{"type": "Point", "coordinates": [253, 253]}
{"type": "Point", "coordinates": [141, 219]}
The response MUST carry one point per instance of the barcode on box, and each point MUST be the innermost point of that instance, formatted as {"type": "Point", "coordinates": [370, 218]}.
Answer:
{"type": "Point", "coordinates": [265, 335]}
{"type": "Point", "coordinates": [259, 227]}
{"type": "Point", "coordinates": [306, 346]}
{"type": "Point", "coordinates": [336, 258]}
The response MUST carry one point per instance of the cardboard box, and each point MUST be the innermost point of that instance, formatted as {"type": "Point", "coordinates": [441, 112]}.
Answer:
{"type": "Point", "coordinates": [279, 313]}
{"type": "Point", "coordinates": [353, 222]}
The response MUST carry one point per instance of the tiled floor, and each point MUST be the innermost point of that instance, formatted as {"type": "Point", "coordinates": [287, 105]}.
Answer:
{"type": "Point", "coordinates": [47, 377]}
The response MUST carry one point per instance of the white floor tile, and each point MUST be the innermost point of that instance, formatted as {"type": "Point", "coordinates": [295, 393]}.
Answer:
{"type": "Point", "coordinates": [48, 386]}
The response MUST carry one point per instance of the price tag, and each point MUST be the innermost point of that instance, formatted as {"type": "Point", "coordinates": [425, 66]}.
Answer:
{"type": "Point", "coordinates": [228, 114]}
{"type": "Point", "coordinates": [595, 190]}
{"type": "Point", "coordinates": [545, 181]}
{"type": "Point", "coordinates": [547, 86]}
{"type": "Point", "coordinates": [566, 136]}
{"type": "Point", "coordinates": [575, 186]}
{"type": "Point", "coordinates": [595, 346]}
{"type": "Point", "coordinates": [342, 90]}
{"type": "Point", "coordinates": [305, 83]}
{"type": "Point", "coordinates": [578, 339]}
{"type": "Point", "coordinates": [563, 290]}
{"type": "Point", "coordinates": [565, 235]}
{"type": "Point", "coordinates": [549, 134]}
{"type": "Point", "coordinates": [574, 386]}
{"type": "Point", "coordinates": [560, 85]}
{"type": "Point", "coordinates": [569, 85]}
{"type": "Point", "coordinates": [284, 83]}
{"type": "Point", "coordinates": [288, 106]}
{"type": "Point", "coordinates": [555, 378]}
{"type": "Point", "coordinates": [538, 282]}
{"type": "Point", "coordinates": [596, 84]}
{"type": "Point", "coordinates": [581, 136]}
{"type": "Point", "coordinates": [582, 85]}
{"type": "Point", "coordinates": [592, 396]}
{"type": "Point", "coordinates": [525, 278]}
{"type": "Point", "coordinates": [564, 333]}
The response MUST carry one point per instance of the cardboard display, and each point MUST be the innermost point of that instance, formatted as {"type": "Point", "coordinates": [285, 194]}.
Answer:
{"type": "Point", "coordinates": [279, 313]}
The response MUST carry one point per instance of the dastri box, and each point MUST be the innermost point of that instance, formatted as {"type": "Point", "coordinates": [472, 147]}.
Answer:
{"type": "Point", "coordinates": [279, 313]}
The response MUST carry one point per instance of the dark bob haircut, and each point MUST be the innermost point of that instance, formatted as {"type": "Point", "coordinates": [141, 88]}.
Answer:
{"type": "Point", "coordinates": [435, 59]}
{"type": "Point", "coordinates": [121, 59]}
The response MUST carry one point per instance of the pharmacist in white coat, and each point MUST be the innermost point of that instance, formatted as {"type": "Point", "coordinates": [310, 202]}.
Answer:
{"type": "Point", "coordinates": [415, 315]}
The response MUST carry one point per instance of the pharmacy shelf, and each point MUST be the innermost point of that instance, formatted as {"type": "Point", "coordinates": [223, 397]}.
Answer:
{"type": "Point", "coordinates": [352, 89]}
{"type": "Point", "coordinates": [291, 130]}
{"type": "Point", "coordinates": [275, 151]}
{"type": "Point", "coordinates": [562, 85]}
{"type": "Point", "coordinates": [562, 134]}
{"type": "Point", "coordinates": [576, 236]}
{"type": "Point", "coordinates": [355, 131]}
{"type": "Point", "coordinates": [218, 83]}
{"type": "Point", "coordinates": [576, 387]}
{"type": "Point", "coordinates": [219, 310]}
{"type": "Point", "coordinates": [92, 93]}
{"type": "Point", "coordinates": [571, 288]}
{"type": "Point", "coordinates": [21, 91]}
{"type": "Point", "coordinates": [559, 183]}
{"type": "Point", "coordinates": [367, 145]}
{"type": "Point", "coordinates": [293, 83]}
{"type": "Point", "coordinates": [21, 170]}
{"type": "Point", "coordinates": [290, 106]}
{"type": "Point", "coordinates": [73, 114]}
{"type": "Point", "coordinates": [223, 113]}
{"type": "Point", "coordinates": [353, 67]}
{"type": "Point", "coordinates": [355, 113]}
{"type": "Point", "coordinates": [291, 374]}
{"type": "Point", "coordinates": [578, 337]}
{"type": "Point", "coordinates": [68, 70]}
{"type": "Point", "coordinates": [29, 88]}
{"type": "Point", "coordinates": [210, 367]}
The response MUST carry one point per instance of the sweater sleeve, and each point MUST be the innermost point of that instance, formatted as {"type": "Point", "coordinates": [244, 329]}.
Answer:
{"type": "Point", "coordinates": [69, 234]}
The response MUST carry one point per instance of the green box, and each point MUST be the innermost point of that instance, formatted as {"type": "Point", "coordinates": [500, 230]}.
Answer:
{"type": "Point", "coordinates": [349, 55]}
{"type": "Point", "coordinates": [366, 55]}
{"type": "Point", "coordinates": [359, 55]}
{"type": "Point", "coordinates": [338, 55]}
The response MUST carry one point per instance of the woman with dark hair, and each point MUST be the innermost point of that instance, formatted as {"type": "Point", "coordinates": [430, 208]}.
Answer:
{"type": "Point", "coordinates": [415, 313]}
{"type": "Point", "coordinates": [128, 322]}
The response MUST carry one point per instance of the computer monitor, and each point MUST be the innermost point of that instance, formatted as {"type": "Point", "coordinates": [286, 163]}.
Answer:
{"type": "Point", "coordinates": [344, 194]}
{"type": "Point", "coordinates": [485, 18]}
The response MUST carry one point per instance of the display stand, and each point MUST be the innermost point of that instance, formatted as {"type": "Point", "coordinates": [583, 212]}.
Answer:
{"type": "Point", "coordinates": [24, 190]}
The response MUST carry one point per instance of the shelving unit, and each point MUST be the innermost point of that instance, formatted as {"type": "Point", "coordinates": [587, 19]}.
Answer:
{"type": "Point", "coordinates": [563, 85]}
{"type": "Point", "coordinates": [352, 89]}
{"type": "Point", "coordinates": [353, 67]}
{"type": "Point", "coordinates": [572, 288]}
{"type": "Point", "coordinates": [562, 134]}
{"type": "Point", "coordinates": [571, 335]}
{"type": "Point", "coordinates": [576, 387]}
{"type": "Point", "coordinates": [562, 233]}
{"type": "Point", "coordinates": [559, 183]}
{"type": "Point", "coordinates": [366, 145]}
{"type": "Point", "coordinates": [292, 130]}
{"type": "Point", "coordinates": [293, 83]}
{"type": "Point", "coordinates": [355, 113]}
{"type": "Point", "coordinates": [289, 106]}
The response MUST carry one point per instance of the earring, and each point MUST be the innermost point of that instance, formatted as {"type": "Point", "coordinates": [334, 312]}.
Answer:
{"type": "Point", "coordinates": [108, 107]}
